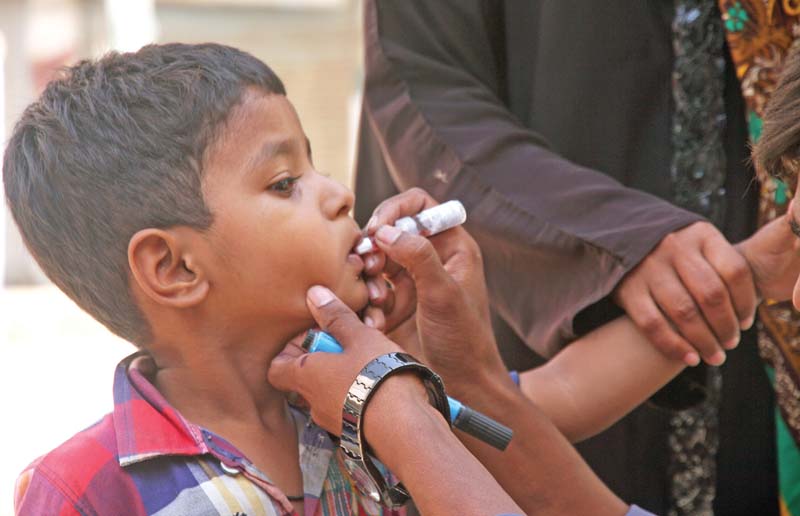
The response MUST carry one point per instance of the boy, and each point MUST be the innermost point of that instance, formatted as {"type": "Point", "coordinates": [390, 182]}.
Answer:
{"type": "Point", "coordinates": [170, 193]}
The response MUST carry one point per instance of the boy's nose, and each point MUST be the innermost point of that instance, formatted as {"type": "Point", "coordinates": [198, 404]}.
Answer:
{"type": "Point", "coordinates": [338, 200]}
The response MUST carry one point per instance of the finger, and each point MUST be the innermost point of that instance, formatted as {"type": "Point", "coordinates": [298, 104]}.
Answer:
{"type": "Point", "coordinates": [282, 369]}
{"type": "Point", "coordinates": [405, 301]}
{"type": "Point", "coordinates": [388, 304]}
{"type": "Point", "coordinates": [378, 291]}
{"type": "Point", "coordinates": [459, 254]}
{"type": "Point", "coordinates": [738, 278]}
{"type": "Point", "coordinates": [375, 318]}
{"type": "Point", "coordinates": [710, 294]}
{"type": "Point", "coordinates": [374, 263]}
{"type": "Point", "coordinates": [405, 204]}
{"type": "Point", "coordinates": [452, 242]}
{"type": "Point", "coordinates": [676, 302]}
{"type": "Point", "coordinates": [391, 267]}
{"type": "Point", "coordinates": [652, 323]}
{"type": "Point", "coordinates": [334, 316]}
{"type": "Point", "coordinates": [417, 255]}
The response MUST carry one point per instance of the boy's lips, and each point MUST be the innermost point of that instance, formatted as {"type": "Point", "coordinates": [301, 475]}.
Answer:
{"type": "Point", "coordinates": [356, 261]}
{"type": "Point", "coordinates": [354, 257]}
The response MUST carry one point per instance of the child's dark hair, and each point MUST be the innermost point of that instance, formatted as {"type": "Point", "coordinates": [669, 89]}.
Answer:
{"type": "Point", "coordinates": [777, 151]}
{"type": "Point", "coordinates": [114, 146]}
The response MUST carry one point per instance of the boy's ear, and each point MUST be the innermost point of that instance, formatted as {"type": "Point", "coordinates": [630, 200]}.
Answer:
{"type": "Point", "coordinates": [165, 270]}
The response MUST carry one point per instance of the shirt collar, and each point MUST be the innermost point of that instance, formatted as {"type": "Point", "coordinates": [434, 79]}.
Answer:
{"type": "Point", "coordinates": [145, 424]}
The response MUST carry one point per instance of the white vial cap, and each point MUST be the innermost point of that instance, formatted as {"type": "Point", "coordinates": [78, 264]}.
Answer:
{"type": "Point", "coordinates": [366, 245]}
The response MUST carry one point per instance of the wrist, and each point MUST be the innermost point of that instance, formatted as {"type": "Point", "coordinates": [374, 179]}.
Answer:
{"type": "Point", "coordinates": [399, 399]}
{"type": "Point", "coordinates": [468, 387]}
{"type": "Point", "coordinates": [398, 414]}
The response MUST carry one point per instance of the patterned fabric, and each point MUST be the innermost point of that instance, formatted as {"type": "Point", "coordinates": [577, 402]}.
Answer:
{"type": "Point", "coordinates": [760, 33]}
{"type": "Point", "coordinates": [698, 174]}
{"type": "Point", "coordinates": [145, 458]}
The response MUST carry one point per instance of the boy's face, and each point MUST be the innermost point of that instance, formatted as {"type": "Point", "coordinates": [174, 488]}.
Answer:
{"type": "Point", "coordinates": [279, 225]}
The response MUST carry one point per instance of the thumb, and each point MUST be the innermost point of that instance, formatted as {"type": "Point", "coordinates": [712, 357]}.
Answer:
{"type": "Point", "coordinates": [281, 372]}
{"type": "Point", "coordinates": [416, 254]}
{"type": "Point", "coordinates": [333, 316]}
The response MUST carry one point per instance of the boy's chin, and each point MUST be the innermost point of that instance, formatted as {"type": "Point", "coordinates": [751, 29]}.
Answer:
{"type": "Point", "coordinates": [356, 297]}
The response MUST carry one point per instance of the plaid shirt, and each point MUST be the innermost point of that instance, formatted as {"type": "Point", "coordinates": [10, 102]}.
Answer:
{"type": "Point", "coordinates": [145, 458]}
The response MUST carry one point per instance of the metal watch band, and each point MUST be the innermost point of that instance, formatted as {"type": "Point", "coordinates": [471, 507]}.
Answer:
{"type": "Point", "coordinates": [354, 449]}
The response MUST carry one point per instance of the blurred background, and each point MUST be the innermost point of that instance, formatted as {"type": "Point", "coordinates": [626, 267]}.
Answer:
{"type": "Point", "coordinates": [56, 362]}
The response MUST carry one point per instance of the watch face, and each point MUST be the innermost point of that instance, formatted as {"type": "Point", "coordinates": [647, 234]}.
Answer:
{"type": "Point", "coordinates": [362, 479]}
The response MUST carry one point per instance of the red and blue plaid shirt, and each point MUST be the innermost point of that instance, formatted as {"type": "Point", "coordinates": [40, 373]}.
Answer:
{"type": "Point", "coordinates": [145, 458]}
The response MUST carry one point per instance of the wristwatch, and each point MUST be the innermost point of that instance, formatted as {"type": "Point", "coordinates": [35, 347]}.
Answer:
{"type": "Point", "coordinates": [355, 451]}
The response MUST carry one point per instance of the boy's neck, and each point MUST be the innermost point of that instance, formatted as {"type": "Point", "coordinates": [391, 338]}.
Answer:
{"type": "Point", "coordinates": [221, 386]}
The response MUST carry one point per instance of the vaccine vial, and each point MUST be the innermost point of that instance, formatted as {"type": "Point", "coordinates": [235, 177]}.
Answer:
{"type": "Point", "coordinates": [426, 223]}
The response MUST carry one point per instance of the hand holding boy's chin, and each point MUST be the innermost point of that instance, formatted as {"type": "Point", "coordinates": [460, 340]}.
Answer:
{"type": "Point", "coordinates": [323, 379]}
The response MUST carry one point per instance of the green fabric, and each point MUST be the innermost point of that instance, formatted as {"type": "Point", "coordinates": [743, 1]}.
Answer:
{"type": "Point", "coordinates": [735, 18]}
{"type": "Point", "coordinates": [780, 192]}
{"type": "Point", "coordinates": [788, 461]}
{"type": "Point", "coordinates": [754, 126]}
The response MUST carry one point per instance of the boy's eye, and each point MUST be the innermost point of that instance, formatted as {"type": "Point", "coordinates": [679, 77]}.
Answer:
{"type": "Point", "coordinates": [284, 186]}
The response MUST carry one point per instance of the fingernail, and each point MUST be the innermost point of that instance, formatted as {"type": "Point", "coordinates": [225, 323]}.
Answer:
{"type": "Point", "coordinates": [369, 322]}
{"type": "Point", "coordinates": [320, 296]}
{"type": "Point", "coordinates": [388, 234]}
{"type": "Point", "coordinates": [731, 344]}
{"type": "Point", "coordinates": [691, 359]}
{"type": "Point", "coordinates": [374, 291]}
{"type": "Point", "coordinates": [748, 323]}
{"type": "Point", "coordinates": [373, 222]}
{"type": "Point", "coordinates": [717, 359]}
{"type": "Point", "coordinates": [370, 261]}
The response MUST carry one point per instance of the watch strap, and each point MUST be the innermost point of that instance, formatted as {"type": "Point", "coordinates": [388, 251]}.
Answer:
{"type": "Point", "coordinates": [353, 446]}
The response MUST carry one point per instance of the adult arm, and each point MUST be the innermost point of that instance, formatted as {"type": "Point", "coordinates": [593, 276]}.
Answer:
{"type": "Point", "coordinates": [583, 389]}
{"type": "Point", "coordinates": [439, 472]}
{"type": "Point", "coordinates": [556, 237]}
{"type": "Point", "coordinates": [415, 442]}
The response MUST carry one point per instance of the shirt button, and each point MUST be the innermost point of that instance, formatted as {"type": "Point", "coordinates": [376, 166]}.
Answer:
{"type": "Point", "coordinates": [228, 470]}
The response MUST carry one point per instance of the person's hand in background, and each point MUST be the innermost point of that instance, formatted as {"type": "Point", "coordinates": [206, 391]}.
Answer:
{"type": "Point", "coordinates": [691, 296]}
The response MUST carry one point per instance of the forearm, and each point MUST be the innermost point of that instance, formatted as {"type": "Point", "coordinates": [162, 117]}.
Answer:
{"type": "Point", "coordinates": [415, 442]}
{"type": "Point", "coordinates": [539, 469]}
{"type": "Point", "coordinates": [598, 379]}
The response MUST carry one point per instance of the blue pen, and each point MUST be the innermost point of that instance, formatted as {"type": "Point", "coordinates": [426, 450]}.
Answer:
{"type": "Point", "coordinates": [462, 417]}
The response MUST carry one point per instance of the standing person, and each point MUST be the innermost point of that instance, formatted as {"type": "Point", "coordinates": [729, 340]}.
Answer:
{"type": "Point", "coordinates": [760, 35]}
{"type": "Point", "coordinates": [564, 129]}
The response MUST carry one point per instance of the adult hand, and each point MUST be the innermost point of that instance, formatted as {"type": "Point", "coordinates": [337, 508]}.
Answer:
{"type": "Point", "coordinates": [440, 280]}
{"type": "Point", "coordinates": [397, 415]}
{"type": "Point", "coordinates": [381, 297]}
{"type": "Point", "coordinates": [691, 295]}
{"type": "Point", "coordinates": [773, 253]}
{"type": "Point", "coordinates": [323, 379]}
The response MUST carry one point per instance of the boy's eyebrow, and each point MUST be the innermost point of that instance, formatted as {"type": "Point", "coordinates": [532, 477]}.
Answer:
{"type": "Point", "coordinates": [272, 149]}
